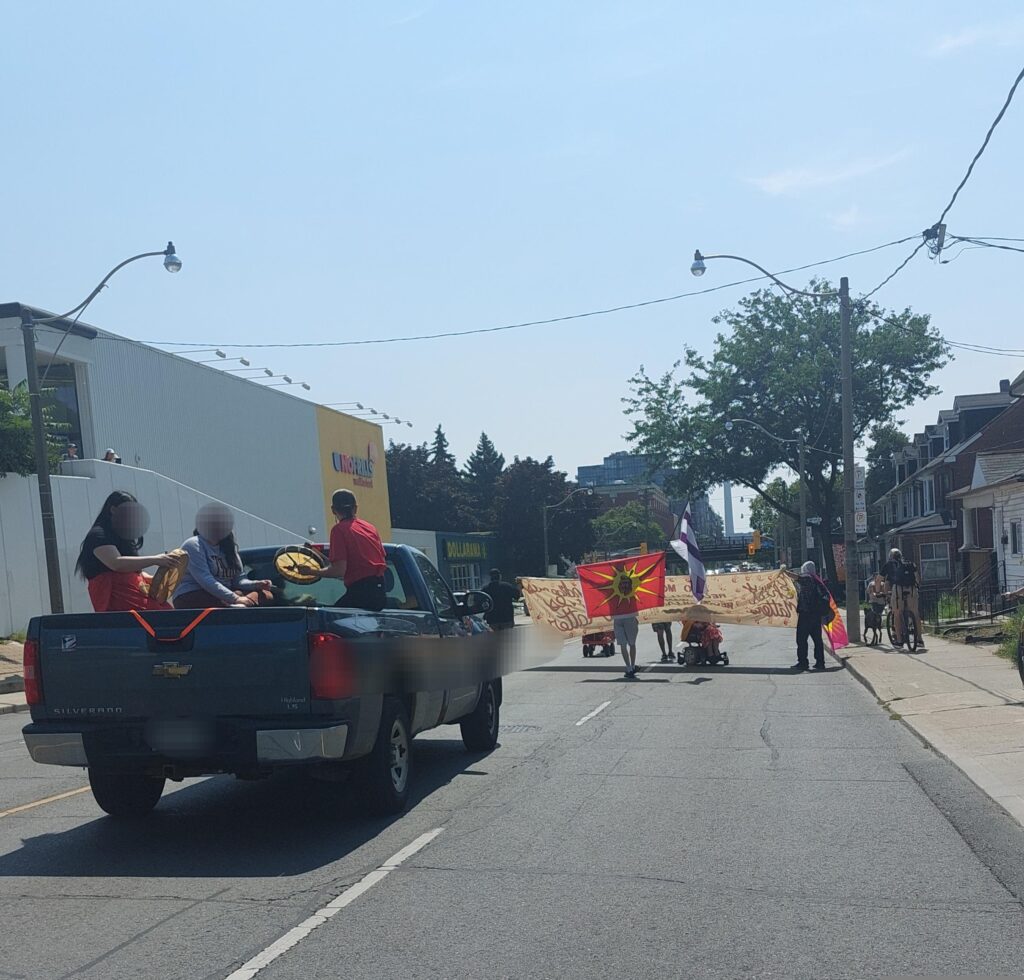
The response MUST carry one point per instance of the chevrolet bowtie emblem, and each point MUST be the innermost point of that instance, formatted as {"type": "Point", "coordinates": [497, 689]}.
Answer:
{"type": "Point", "coordinates": [171, 669]}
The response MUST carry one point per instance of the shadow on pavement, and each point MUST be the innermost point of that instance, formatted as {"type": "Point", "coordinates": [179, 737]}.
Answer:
{"type": "Point", "coordinates": [222, 827]}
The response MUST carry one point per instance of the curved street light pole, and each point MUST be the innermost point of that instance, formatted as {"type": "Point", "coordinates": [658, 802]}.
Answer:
{"type": "Point", "coordinates": [28, 323]}
{"type": "Point", "coordinates": [801, 472]}
{"type": "Point", "coordinates": [846, 375]}
{"type": "Point", "coordinates": [544, 512]}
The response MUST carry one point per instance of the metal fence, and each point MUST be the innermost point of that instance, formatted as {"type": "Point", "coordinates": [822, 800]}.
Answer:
{"type": "Point", "coordinates": [978, 597]}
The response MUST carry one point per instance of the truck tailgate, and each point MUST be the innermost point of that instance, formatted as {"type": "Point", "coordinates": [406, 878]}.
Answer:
{"type": "Point", "coordinates": [230, 662]}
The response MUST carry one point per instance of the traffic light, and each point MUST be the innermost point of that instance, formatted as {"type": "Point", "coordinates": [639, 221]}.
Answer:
{"type": "Point", "coordinates": [751, 550]}
{"type": "Point", "coordinates": [756, 543]}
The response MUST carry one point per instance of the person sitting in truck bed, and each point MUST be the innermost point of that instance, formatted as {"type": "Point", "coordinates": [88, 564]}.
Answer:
{"type": "Point", "coordinates": [214, 575]}
{"type": "Point", "coordinates": [109, 559]}
{"type": "Point", "coordinates": [357, 556]}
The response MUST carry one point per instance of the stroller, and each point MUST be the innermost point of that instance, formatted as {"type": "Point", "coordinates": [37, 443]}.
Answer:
{"type": "Point", "coordinates": [698, 648]}
{"type": "Point", "coordinates": [605, 640]}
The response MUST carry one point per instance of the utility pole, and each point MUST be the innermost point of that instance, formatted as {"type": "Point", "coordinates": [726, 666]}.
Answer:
{"type": "Point", "coordinates": [803, 499]}
{"type": "Point", "coordinates": [849, 531]}
{"type": "Point", "coordinates": [42, 467]}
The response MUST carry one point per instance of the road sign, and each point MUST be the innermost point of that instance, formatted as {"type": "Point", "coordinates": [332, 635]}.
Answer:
{"type": "Point", "coordinates": [858, 477]}
{"type": "Point", "coordinates": [814, 520]}
{"type": "Point", "coordinates": [810, 538]}
{"type": "Point", "coordinates": [860, 499]}
{"type": "Point", "coordinates": [860, 522]}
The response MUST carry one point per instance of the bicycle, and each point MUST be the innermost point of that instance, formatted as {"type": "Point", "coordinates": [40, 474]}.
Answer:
{"type": "Point", "coordinates": [911, 633]}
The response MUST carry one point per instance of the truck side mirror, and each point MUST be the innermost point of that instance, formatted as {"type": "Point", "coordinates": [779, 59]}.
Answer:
{"type": "Point", "coordinates": [478, 602]}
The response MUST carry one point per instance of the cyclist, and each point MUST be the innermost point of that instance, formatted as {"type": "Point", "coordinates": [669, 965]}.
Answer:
{"type": "Point", "coordinates": [902, 578]}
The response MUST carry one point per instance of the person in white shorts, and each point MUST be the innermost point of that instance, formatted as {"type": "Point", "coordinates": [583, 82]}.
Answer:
{"type": "Point", "coordinates": [626, 630]}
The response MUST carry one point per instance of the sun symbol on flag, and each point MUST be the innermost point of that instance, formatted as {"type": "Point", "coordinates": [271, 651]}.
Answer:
{"type": "Point", "coordinates": [625, 584]}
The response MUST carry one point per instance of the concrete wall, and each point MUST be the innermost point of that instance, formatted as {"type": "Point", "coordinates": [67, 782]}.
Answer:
{"type": "Point", "coordinates": [425, 541]}
{"type": "Point", "coordinates": [78, 498]}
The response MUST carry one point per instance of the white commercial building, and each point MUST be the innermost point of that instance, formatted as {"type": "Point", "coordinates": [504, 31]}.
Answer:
{"type": "Point", "coordinates": [266, 453]}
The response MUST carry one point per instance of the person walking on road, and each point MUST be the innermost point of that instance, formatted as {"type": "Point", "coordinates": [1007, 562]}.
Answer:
{"type": "Point", "coordinates": [663, 631]}
{"type": "Point", "coordinates": [812, 600]}
{"type": "Point", "coordinates": [627, 628]}
{"type": "Point", "coordinates": [502, 614]}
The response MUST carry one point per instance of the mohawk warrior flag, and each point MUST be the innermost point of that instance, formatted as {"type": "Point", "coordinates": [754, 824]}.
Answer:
{"type": "Point", "coordinates": [686, 547]}
{"type": "Point", "coordinates": [623, 586]}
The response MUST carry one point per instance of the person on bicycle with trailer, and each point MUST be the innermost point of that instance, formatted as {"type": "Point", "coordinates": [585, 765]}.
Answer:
{"type": "Point", "coordinates": [903, 581]}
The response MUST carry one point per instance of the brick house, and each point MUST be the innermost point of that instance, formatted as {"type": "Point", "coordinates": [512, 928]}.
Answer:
{"type": "Point", "coordinates": [922, 514]}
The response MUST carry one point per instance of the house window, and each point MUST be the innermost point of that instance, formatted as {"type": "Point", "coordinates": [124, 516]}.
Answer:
{"type": "Point", "coordinates": [1015, 542]}
{"type": "Point", "coordinates": [934, 561]}
{"type": "Point", "coordinates": [928, 494]}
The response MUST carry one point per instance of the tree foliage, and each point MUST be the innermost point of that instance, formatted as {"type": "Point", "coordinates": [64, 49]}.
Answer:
{"type": "Point", "coordinates": [625, 527]}
{"type": "Point", "coordinates": [480, 475]}
{"type": "Point", "coordinates": [523, 488]}
{"type": "Point", "coordinates": [885, 440]}
{"type": "Point", "coordinates": [17, 448]}
{"type": "Point", "coordinates": [776, 363]}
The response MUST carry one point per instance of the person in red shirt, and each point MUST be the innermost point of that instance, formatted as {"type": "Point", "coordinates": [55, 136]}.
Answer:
{"type": "Point", "coordinates": [356, 556]}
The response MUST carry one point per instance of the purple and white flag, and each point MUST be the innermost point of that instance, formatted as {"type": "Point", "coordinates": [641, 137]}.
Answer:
{"type": "Point", "coordinates": [686, 547]}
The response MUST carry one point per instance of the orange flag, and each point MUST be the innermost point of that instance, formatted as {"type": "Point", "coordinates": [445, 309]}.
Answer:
{"type": "Point", "coordinates": [623, 586]}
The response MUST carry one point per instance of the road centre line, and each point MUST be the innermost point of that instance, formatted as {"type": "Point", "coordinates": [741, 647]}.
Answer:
{"type": "Point", "coordinates": [294, 936]}
{"type": "Point", "coordinates": [48, 799]}
{"type": "Point", "coordinates": [596, 711]}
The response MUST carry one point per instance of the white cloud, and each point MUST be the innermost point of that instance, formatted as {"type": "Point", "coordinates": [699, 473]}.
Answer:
{"type": "Point", "coordinates": [1004, 35]}
{"type": "Point", "coordinates": [797, 179]}
{"type": "Point", "coordinates": [850, 217]}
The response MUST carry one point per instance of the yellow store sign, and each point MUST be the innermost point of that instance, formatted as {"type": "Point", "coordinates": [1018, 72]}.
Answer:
{"type": "Point", "coordinates": [352, 458]}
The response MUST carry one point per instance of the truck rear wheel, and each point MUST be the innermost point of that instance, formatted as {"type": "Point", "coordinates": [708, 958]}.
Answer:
{"type": "Point", "coordinates": [126, 795]}
{"type": "Point", "coordinates": [480, 729]}
{"type": "Point", "coordinates": [385, 774]}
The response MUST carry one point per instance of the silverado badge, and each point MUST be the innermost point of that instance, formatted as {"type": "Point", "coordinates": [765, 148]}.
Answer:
{"type": "Point", "coordinates": [171, 669]}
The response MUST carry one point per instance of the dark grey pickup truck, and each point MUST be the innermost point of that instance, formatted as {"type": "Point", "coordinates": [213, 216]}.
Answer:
{"type": "Point", "coordinates": [139, 698]}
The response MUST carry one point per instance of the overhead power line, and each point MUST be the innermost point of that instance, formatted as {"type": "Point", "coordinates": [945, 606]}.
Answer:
{"type": "Point", "coordinates": [931, 233]}
{"type": "Point", "coordinates": [515, 326]}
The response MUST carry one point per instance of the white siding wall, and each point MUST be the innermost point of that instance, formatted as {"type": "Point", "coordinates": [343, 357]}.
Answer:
{"type": "Point", "coordinates": [228, 437]}
{"type": "Point", "coordinates": [1009, 508]}
{"type": "Point", "coordinates": [77, 500]}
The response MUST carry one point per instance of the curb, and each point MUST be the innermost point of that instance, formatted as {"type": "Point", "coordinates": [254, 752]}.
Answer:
{"type": "Point", "coordinates": [7, 709]}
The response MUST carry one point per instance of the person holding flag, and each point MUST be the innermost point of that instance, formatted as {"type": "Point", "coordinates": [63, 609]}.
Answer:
{"type": "Point", "coordinates": [813, 604]}
{"type": "Point", "coordinates": [620, 589]}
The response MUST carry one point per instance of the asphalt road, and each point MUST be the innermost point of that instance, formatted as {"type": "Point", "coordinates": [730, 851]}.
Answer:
{"type": "Point", "coordinates": [717, 822]}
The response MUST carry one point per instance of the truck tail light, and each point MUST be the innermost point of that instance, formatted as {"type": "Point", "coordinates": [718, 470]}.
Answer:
{"type": "Point", "coordinates": [32, 673]}
{"type": "Point", "coordinates": [331, 674]}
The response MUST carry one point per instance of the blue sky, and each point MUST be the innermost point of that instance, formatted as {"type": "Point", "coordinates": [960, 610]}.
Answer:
{"type": "Point", "coordinates": [338, 171]}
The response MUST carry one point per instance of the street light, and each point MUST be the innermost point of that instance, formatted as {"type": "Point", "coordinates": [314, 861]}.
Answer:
{"type": "Point", "coordinates": [587, 491]}
{"type": "Point", "coordinates": [28, 324]}
{"type": "Point", "coordinates": [846, 374]}
{"type": "Point", "coordinates": [800, 443]}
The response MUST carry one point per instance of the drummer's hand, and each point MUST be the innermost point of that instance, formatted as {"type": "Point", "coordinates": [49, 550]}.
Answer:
{"type": "Point", "coordinates": [244, 602]}
{"type": "Point", "coordinates": [164, 561]}
{"type": "Point", "coordinates": [265, 583]}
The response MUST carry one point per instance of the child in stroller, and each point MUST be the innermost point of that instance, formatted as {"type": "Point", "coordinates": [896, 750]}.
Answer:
{"type": "Point", "coordinates": [703, 644]}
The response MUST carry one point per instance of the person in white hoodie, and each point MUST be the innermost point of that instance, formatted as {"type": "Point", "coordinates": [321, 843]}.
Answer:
{"type": "Point", "coordinates": [214, 575]}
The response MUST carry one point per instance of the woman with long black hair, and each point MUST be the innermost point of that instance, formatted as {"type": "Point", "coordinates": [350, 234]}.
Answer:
{"type": "Point", "coordinates": [214, 576]}
{"type": "Point", "coordinates": [109, 559]}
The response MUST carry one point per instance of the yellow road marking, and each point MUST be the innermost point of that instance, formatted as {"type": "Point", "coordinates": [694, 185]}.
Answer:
{"type": "Point", "coordinates": [49, 799]}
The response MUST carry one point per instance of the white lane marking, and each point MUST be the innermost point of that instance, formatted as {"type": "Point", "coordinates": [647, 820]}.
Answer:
{"type": "Point", "coordinates": [294, 936]}
{"type": "Point", "coordinates": [596, 711]}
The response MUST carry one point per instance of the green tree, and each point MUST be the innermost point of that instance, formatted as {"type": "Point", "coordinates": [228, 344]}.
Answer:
{"type": "Point", "coordinates": [885, 440]}
{"type": "Point", "coordinates": [480, 475]}
{"type": "Point", "coordinates": [523, 489]}
{"type": "Point", "coordinates": [621, 528]}
{"type": "Point", "coordinates": [410, 479]}
{"type": "Point", "coordinates": [17, 448]}
{"type": "Point", "coordinates": [777, 364]}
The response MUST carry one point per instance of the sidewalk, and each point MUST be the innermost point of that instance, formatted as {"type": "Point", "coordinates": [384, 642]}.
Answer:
{"type": "Point", "coordinates": [964, 701]}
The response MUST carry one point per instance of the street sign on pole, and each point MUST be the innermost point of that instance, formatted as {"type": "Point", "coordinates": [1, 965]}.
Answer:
{"type": "Point", "coordinates": [860, 499]}
{"type": "Point", "coordinates": [860, 522]}
{"type": "Point", "coordinates": [858, 477]}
